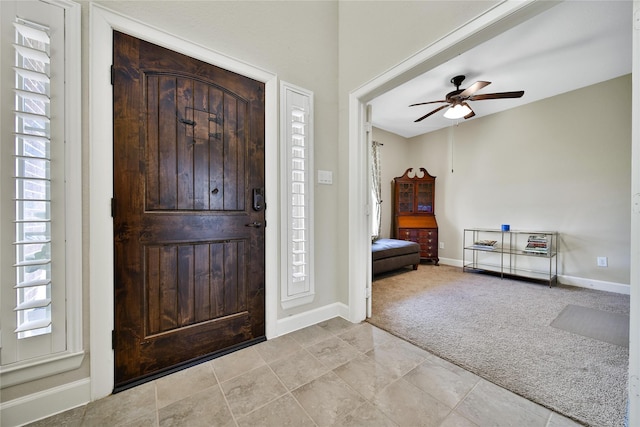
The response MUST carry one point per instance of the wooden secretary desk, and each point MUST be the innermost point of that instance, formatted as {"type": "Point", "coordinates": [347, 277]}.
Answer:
{"type": "Point", "coordinates": [415, 218]}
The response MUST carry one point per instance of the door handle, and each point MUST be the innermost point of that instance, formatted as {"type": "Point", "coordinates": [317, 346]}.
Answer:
{"type": "Point", "coordinates": [254, 224]}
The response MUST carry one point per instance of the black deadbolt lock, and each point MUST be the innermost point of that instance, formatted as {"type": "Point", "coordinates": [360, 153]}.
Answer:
{"type": "Point", "coordinates": [258, 199]}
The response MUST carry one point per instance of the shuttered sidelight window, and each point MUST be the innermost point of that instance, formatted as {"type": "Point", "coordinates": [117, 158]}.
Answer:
{"type": "Point", "coordinates": [41, 211]}
{"type": "Point", "coordinates": [32, 180]}
{"type": "Point", "coordinates": [297, 174]}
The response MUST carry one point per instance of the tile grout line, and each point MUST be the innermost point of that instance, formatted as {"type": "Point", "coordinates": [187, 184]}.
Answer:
{"type": "Point", "coordinates": [366, 400]}
{"type": "Point", "coordinates": [224, 396]}
{"type": "Point", "coordinates": [291, 394]}
{"type": "Point", "coordinates": [155, 389]}
{"type": "Point", "coordinates": [287, 391]}
{"type": "Point", "coordinates": [462, 400]}
{"type": "Point", "coordinates": [364, 354]}
{"type": "Point", "coordinates": [329, 370]}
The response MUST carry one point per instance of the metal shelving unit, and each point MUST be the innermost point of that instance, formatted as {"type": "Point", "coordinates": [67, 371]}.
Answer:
{"type": "Point", "coordinates": [508, 256]}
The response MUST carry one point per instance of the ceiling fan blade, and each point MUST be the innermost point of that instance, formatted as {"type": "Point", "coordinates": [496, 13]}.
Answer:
{"type": "Point", "coordinates": [498, 95]}
{"type": "Point", "coordinates": [428, 114]}
{"type": "Point", "coordinates": [471, 114]}
{"type": "Point", "coordinates": [473, 88]}
{"type": "Point", "coordinates": [430, 102]}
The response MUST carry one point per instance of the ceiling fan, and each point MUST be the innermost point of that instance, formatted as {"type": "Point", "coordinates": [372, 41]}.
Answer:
{"type": "Point", "coordinates": [457, 99]}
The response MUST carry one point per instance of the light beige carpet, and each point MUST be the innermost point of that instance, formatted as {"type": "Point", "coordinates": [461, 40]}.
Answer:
{"type": "Point", "coordinates": [501, 330]}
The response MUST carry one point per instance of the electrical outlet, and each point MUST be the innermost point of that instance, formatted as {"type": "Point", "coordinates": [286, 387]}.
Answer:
{"type": "Point", "coordinates": [441, 245]}
{"type": "Point", "coordinates": [602, 261]}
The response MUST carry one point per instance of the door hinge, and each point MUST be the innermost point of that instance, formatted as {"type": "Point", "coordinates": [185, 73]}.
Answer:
{"type": "Point", "coordinates": [113, 74]}
{"type": "Point", "coordinates": [113, 339]}
{"type": "Point", "coordinates": [367, 293]}
{"type": "Point", "coordinates": [113, 207]}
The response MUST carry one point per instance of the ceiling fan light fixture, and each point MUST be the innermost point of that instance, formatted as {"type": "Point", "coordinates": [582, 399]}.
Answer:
{"type": "Point", "coordinates": [457, 111]}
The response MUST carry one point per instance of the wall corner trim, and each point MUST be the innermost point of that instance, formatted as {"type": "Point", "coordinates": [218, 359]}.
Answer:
{"type": "Point", "coordinates": [311, 317]}
{"type": "Point", "coordinates": [45, 403]}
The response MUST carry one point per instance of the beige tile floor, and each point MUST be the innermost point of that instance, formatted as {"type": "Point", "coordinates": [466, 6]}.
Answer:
{"type": "Point", "coordinates": [334, 373]}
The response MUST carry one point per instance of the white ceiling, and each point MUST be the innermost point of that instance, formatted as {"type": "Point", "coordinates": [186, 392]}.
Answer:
{"type": "Point", "coordinates": [567, 47]}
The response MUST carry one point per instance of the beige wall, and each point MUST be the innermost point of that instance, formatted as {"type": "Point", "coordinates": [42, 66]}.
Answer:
{"type": "Point", "coordinates": [563, 163]}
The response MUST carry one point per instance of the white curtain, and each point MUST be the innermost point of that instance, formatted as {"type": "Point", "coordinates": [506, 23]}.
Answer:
{"type": "Point", "coordinates": [376, 190]}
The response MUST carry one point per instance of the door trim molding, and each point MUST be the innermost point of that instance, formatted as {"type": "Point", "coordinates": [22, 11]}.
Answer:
{"type": "Point", "coordinates": [101, 263]}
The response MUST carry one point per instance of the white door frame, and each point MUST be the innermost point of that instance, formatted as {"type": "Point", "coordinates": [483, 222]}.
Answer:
{"type": "Point", "coordinates": [101, 300]}
{"type": "Point", "coordinates": [634, 328]}
{"type": "Point", "coordinates": [495, 21]}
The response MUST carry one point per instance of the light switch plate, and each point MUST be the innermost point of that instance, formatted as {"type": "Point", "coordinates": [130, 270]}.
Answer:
{"type": "Point", "coordinates": [325, 177]}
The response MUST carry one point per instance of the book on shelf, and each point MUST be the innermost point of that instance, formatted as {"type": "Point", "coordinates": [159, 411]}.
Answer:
{"type": "Point", "coordinates": [488, 245]}
{"type": "Point", "coordinates": [537, 244]}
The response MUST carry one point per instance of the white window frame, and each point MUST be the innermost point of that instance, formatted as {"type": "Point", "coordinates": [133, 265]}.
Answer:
{"type": "Point", "coordinates": [69, 354]}
{"type": "Point", "coordinates": [296, 291]}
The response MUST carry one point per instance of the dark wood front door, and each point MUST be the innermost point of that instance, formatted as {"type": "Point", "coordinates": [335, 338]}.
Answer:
{"type": "Point", "coordinates": [188, 210]}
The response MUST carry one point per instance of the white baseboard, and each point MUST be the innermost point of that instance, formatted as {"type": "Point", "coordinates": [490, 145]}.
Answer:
{"type": "Point", "coordinates": [45, 403]}
{"type": "Point", "coordinates": [581, 282]}
{"type": "Point", "coordinates": [600, 285]}
{"type": "Point", "coordinates": [311, 317]}
{"type": "Point", "coordinates": [450, 261]}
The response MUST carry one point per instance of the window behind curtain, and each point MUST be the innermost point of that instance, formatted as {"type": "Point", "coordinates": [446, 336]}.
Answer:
{"type": "Point", "coordinates": [376, 190]}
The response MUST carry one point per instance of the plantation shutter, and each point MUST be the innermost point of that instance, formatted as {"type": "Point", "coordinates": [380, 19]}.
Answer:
{"type": "Point", "coordinates": [32, 179]}
{"type": "Point", "coordinates": [297, 143]}
{"type": "Point", "coordinates": [40, 189]}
